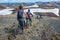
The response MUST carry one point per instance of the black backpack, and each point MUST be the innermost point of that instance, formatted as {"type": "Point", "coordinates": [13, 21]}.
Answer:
{"type": "Point", "coordinates": [20, 13]}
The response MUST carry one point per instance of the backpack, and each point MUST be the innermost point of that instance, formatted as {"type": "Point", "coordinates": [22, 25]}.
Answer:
{"type": "Point", "coordinates": [20, 13]}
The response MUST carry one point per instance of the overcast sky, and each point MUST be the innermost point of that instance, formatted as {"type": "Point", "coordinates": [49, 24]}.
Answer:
{"type": "Point", "coordinates": [26, 0]}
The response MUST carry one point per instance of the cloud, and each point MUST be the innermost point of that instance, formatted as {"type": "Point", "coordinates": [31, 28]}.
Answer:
{"type": "Point", "coordinates": [9, 0]}
{"type": "Point", "coordinates": [36, 0]}
{"type": "Point", "coordinates": [25, 0]}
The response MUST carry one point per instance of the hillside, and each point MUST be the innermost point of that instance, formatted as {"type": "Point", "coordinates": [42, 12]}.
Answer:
{"type": "Point", "coordinates": [45, 28]}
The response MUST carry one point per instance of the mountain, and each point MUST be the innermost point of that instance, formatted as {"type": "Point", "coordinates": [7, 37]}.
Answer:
{"type": "Point", "coordinates": [27, 3]}
{"type": "Point", "coordinates": [53, 3]}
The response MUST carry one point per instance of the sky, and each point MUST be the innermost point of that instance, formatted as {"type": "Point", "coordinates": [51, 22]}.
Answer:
{"type": "Point", "coordinates": [26, 0]}
{"type": "Point", "coordinates": [37, 0]}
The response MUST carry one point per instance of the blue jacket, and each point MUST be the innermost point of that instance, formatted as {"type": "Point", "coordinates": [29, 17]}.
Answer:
{"type": "Point", "coordinates": [20, 15]}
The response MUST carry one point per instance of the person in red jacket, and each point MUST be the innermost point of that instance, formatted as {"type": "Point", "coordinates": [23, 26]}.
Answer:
{"type": "Point", "coordinates": [28, 18]}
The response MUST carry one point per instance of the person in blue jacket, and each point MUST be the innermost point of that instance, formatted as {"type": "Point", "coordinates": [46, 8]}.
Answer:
{"type": "Point", "coordinates": [20, 17]}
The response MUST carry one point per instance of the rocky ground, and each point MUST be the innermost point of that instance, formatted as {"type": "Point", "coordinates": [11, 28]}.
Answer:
{"type": "Point", "coordinates": [46, 28]}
